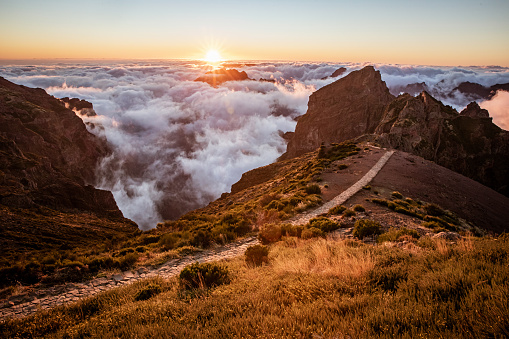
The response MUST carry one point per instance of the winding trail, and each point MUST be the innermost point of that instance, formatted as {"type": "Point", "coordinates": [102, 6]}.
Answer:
{"type": "Point", "coordinates": [42, 299]}
{"type": "Point", "coordinates": [346, 194]}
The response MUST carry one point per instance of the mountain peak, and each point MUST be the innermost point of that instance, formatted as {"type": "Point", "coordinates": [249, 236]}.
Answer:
{"type": "Point", "coordinates": [342, 110]}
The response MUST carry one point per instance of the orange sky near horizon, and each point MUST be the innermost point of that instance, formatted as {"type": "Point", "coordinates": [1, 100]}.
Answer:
{"type": "Point", "coordinates": [455, 33]}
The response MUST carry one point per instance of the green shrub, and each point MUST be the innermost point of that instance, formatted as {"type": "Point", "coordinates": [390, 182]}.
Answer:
{"type": "Point", "coordinates": [336, 210]}
{"type": "Point", "coordinates": [201, 239]}
{"type": "Point", "coordinates": [256, 255]}
{"type": "Point", "coordinates": [364, 228]}
{"type": "Point", "coordinates": [323, 224]}
{"type": "Point", "coordinates": [313, 189]}
{"type": "Point", "coordinates": [168, 241]}
{"type": "Point", "coordinates": [397, 195]}
{"type": "Point", "coordinates": [127, 261]}
{"type": "Point", "coordinates": [124, 251]}
{"type": "Point", "coordinates": [311, 232]}
{"type": "Point", "coordinates": [349, 213]}
{"type": "Point", "coordinates": [148, 292]}
{"type": "Point", "coordinates": [434, 210]}
{"type": "Point", "coordinates": [204, 275]}
{"type": "Point", "coordinates": [396, 234]}
{"type": "Point", "coordinates": [270, 233]}
{"type": "Point", "coordinates": [367, 187]}
{"type": "Point", "coordinates": [359, 208]}
{"type": "Point", "coordinates": [290, 230]}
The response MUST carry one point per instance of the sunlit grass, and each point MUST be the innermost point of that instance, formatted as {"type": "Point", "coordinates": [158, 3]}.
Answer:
{"type": "Point", "coordinates": [328, 288]}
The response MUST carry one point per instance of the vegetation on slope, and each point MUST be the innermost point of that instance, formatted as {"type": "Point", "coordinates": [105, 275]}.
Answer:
{"type": "Point", "coordinates": [309, 288]}
{"type": "Point", "coordinates": [292, 189]}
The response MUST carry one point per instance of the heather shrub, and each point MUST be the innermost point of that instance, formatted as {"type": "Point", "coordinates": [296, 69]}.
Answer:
{"type": "Point", "coordinates": [168, 241]}
{"type": "Point", "coordinates": [398, 235]}
{"type": "Point", "coordinates": [204, 275]}
{"type": "Point", "coordinates": [397, 195]}
{"type": "Point", "coordinates": [313, 189]}
{"type": "Point", "coordinates": [349, 213]}
{"type": "Point", "coordinates": [311, 232]}
{"type": "Point", "coordinates": [324, 224]}
{"type": "Point", "coordinates": [127, 261]}
{"type": "Point", "coordinates": [148, 292]}
{"type": "Point", "coordinates": [336, 210]}
{"type": "Point", "coordinates": [364, 228]}
{"type": "Point", "coordinates": [359, 208]}
{"type": "Point", "coordinates": [256, 255]}
{"type": "Point", "coordinates": [270, 233]}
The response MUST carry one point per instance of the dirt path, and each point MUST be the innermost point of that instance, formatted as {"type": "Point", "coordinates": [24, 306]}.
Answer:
{"type": "Point", "coordinates": [346, 194]}
{"type": "Point", "coordinates": [41, 299]}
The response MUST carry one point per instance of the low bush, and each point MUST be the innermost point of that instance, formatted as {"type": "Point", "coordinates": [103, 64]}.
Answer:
{"type": "Point", "coordinates": [168, 241]}
{"type": "Point", "coordinates": [257, 255]}
{"type": "Point", "coordinates": [323, 224]}
{"type": "Point", "coordinates": [148, 292]}
{"type": "Point", "coordinates": [397, 195]}
{"type": "Point", "coordinates": [349, 213]}
{"type": "Point", "coordinates": [359, 208]}
{"type": "Point", "coordinates": [398, 235]}
{"type": "Point", "coordinates": [311, 232]}
{"type": "Point", "coordinates": [342, 166]}
{"type": "Point", "coordinates": [270, 233]}
{"type": "Point", "coordinates": [127, 261]}
{"type": "Point", "coordinates": [289, 230]}
{"type": "Point", "coordinates": [204, 275]}
{"type": "Point", "coordinates": [365, 227]}
{"type": "Point", "coordinates": [313, 189]}
{"type": "Point", "coordinates": [337, 210]}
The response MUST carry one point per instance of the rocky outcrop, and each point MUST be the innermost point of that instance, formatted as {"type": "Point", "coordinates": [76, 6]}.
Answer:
{"type": "Point", "coordinates": [468, 143]}
{"type": "Point", "coordinates": [219, 76]}
{"type": "Point", "coordinates": [345, 109]}
{"type": "Point", "coordinates": [340, 71]}
{"type": "Point", "coordinates": [47, 156]}
{"type": "Point", "coordinates": [360, 106]}
{"type": "Point", "coordinates": [473, 110]}
{"type": "Point", "coordinates": [79, 106]}
{"type": "Point", "coordinates": [475, 91]}
{"type": "Point", "coordinates": [412, 89]}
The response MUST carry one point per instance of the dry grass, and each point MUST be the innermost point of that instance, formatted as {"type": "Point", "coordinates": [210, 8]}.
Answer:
{"type": "Point", "coordinates": [322, 256]}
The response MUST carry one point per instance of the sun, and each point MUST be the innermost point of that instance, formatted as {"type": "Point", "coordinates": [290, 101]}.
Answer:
{"type": "Point", "coordinates": [212, 56]}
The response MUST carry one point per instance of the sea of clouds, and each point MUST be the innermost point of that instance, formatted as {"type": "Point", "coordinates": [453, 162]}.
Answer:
{"type": "Point", "coordinates": [178, 144]}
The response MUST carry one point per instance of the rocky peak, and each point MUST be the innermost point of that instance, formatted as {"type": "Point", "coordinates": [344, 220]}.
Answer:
{"type": "Point", "coordinates": [47, 155]}
{"type": "Point", "coordinates": [473, 110]}
{"type": "Point", "coordinates": [79, 106]}
{"type": "Point", "coordinates": [344, 109]}
{"type": "Point", "coordinates": [218, 76]}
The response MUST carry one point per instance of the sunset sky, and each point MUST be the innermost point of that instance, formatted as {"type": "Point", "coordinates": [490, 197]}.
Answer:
{"type": "Point", "coordinates": [454, 32]}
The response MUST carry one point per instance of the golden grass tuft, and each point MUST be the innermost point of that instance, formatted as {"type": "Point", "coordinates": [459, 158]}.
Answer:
{"type": "Point", "coordinates": [322, 256]}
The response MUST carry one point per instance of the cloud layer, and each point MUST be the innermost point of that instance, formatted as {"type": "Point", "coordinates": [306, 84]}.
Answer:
{"type": "Point", "coordinates": [178, 144]}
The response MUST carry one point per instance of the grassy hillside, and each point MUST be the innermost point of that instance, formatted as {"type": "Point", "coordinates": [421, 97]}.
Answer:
{"type": "Point", "coordinates": [317, 288]}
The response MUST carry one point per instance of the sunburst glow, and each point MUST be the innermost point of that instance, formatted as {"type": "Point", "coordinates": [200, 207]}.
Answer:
{"type": "Point", "coordinates": [212, 56]}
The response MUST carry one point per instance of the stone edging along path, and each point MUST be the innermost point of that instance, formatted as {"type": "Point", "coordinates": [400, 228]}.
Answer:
{"type": "Point", "coordinates": [346, 194]}
{"type": "Point", "coordinates": [42, 299]}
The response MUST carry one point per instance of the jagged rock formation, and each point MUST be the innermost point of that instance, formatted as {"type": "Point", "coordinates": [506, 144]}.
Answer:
{"type": "Point", "coordinates": [475, 91]}
{"type": "Point", "coordinates": [412, 89]}
{"type": "Point", "coordinates": [219, 76]}
{"type": "Point", "coordinates": [360, 105]}
{"type": "Point", "coordinates": [336, 73]}
{"type": "Point", "coordinates": [79, 106]}
{"type": "Point", "coordinates": [48, 156]}
{"type": "Point", "coordinates": [47, 166]}
{"type": "Point", "coordinates": [345, 109]}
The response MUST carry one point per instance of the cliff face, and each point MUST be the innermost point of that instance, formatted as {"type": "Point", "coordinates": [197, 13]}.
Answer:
{"type": "Point", "coordinates": [343, 110]}
{"type": "Point", "coordinates": [47, 156]}
{"type": "Point", "coordinates": [360, 105]}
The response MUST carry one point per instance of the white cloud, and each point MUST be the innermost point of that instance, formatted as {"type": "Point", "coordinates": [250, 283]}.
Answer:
{"type": "Point", "coordinates": [178, 144]}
